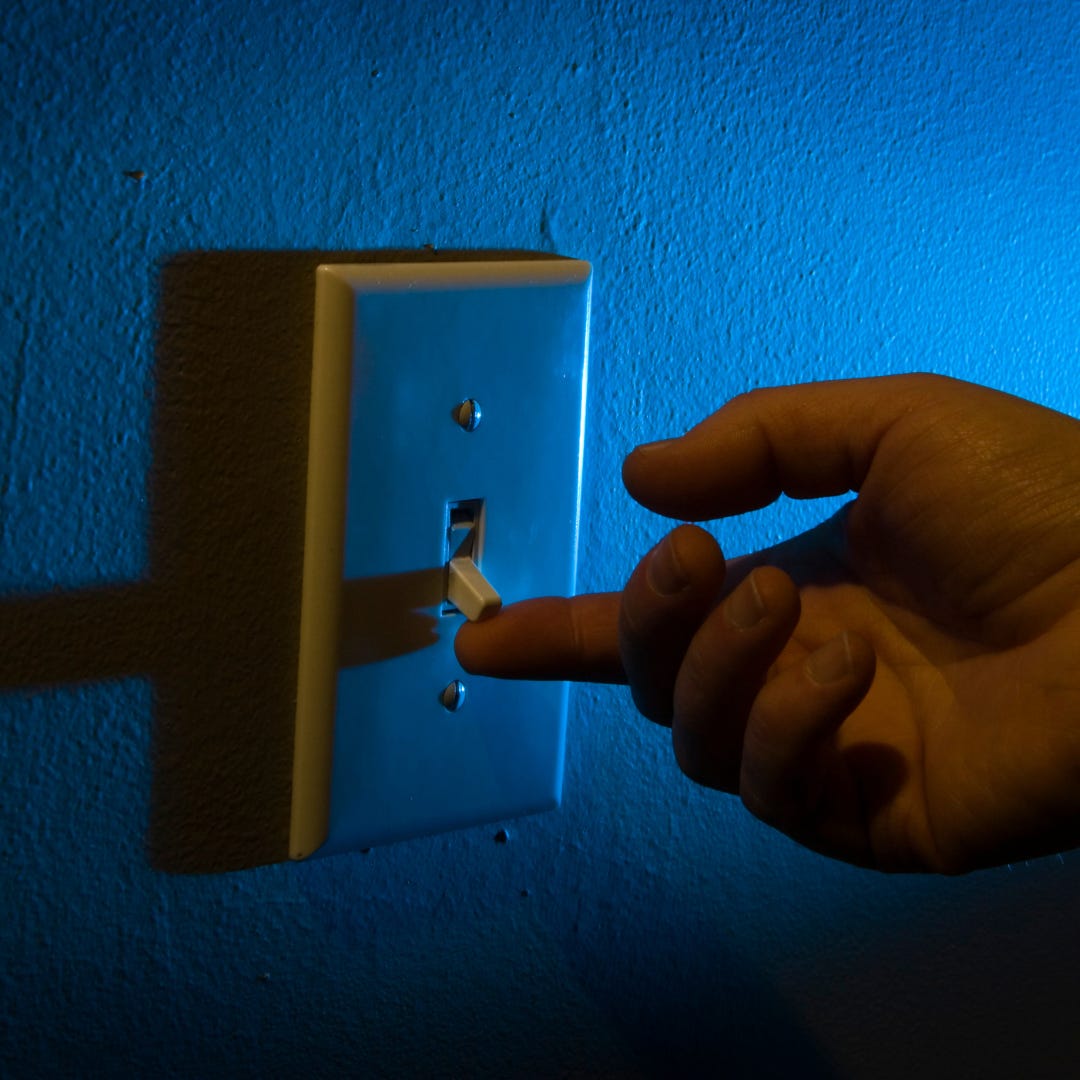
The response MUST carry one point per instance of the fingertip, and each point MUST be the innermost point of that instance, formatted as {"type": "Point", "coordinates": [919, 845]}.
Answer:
{"type": "Point", "coordinates": [776, 592]}
{"type": "Point", "coordinates": [472, 645]}
{"type": "Point", "coordinates": [846, 658]}
{"type": "Point", "coordinates": [642, 466]}
{"type": "Point", "coordinates": [646, 451]}
{"type": "Point", "coordinates": [693, 554]}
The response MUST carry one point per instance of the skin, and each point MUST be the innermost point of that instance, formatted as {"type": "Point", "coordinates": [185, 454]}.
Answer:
{"type": "Point", "coordinates": [899, 687]}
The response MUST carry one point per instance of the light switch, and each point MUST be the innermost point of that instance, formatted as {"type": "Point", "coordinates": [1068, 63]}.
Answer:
{"type": "Point", "coordinates": [444, 475]}
{"type": "Point", "coordinates": [468, 592]}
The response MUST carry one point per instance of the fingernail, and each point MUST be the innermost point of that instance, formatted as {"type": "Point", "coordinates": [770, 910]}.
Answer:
{"type": "Point", "coordinates": [830, 663]}
{"type": "Point", "coordinates": [664, 572]}
{"type": "Point", "coordinates": [744, 607]}
{"type": "Point", "coordinates": [653, 447]}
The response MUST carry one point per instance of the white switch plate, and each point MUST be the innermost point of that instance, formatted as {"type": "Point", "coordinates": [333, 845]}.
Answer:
{"type": "Point", "coordinates": [397, 348]}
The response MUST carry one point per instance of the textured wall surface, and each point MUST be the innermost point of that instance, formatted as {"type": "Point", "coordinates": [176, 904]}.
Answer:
{"type": "Point", "coordinates": [769, 192]}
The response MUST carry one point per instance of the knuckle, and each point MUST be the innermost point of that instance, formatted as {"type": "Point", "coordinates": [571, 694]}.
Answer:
{"type": "Point", "coordinates": [749, 397]}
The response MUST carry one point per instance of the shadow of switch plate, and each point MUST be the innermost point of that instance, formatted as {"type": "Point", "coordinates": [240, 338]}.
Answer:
{"type": "Point", "coordinates": [398, 347]}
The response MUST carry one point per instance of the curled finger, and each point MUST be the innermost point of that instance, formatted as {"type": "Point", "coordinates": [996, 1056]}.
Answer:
{"type": "Point", "coordinates": [724, 667]}
{"type": "Point", "coordinates": [672, 589]}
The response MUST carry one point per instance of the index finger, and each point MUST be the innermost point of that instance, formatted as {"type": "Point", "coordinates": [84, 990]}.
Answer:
{"type": "Point", "coordinates": [553, 637]}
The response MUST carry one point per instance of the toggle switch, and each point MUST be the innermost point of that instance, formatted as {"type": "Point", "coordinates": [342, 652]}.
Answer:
{"type": "Point", "coordinates": [424, 510]}
{"type": "Point", "coordinates": [468, 592]}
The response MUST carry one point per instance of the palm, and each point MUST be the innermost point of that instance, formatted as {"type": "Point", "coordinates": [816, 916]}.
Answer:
{"type": "Point", "coordinates": [952, 759]}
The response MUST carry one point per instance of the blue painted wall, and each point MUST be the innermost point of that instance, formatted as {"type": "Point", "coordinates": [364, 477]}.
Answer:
{"type": "Point", "coordinates": [770, 192]}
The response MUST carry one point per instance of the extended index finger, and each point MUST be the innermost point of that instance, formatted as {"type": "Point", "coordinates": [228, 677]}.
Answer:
{"type": "Point", "coordinates": [553, 637]}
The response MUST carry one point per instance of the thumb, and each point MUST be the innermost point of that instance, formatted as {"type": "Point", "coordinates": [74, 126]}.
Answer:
{"type": "Point", "coordinates": [804, 441]}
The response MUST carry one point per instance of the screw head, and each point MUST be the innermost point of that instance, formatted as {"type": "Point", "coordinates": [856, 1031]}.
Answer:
{"type": "Point", "coordinates": [453, 695]}
{"type": "Point", "coordinates": [468, 414]}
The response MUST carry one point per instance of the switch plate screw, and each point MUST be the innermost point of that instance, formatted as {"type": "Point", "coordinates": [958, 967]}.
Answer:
{"type": "Point", "coordinates": [468, 414]}
{"type": "Point", "coordinates": [453, 696]}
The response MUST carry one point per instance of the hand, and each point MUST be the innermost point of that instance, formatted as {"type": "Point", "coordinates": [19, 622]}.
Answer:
{"type": "Point", "coordinates": [899, 687]}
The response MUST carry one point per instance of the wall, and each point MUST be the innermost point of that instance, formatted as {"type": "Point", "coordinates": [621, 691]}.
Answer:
{"type": "Point", "coordinates": [769, 192]}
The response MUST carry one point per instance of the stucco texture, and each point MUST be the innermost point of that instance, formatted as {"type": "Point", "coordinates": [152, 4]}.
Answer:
{"type": "Point", "coordinates": [769, 192]}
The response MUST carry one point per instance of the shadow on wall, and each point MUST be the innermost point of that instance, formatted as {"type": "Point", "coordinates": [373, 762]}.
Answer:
{"type": "Point", "coordinates": [216, 625]}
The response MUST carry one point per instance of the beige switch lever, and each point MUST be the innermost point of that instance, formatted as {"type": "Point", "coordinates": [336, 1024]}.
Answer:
{"type": "Point", "coordinates": [469, 591]}
{"type": "Point", "coordinates": [466, 587]}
